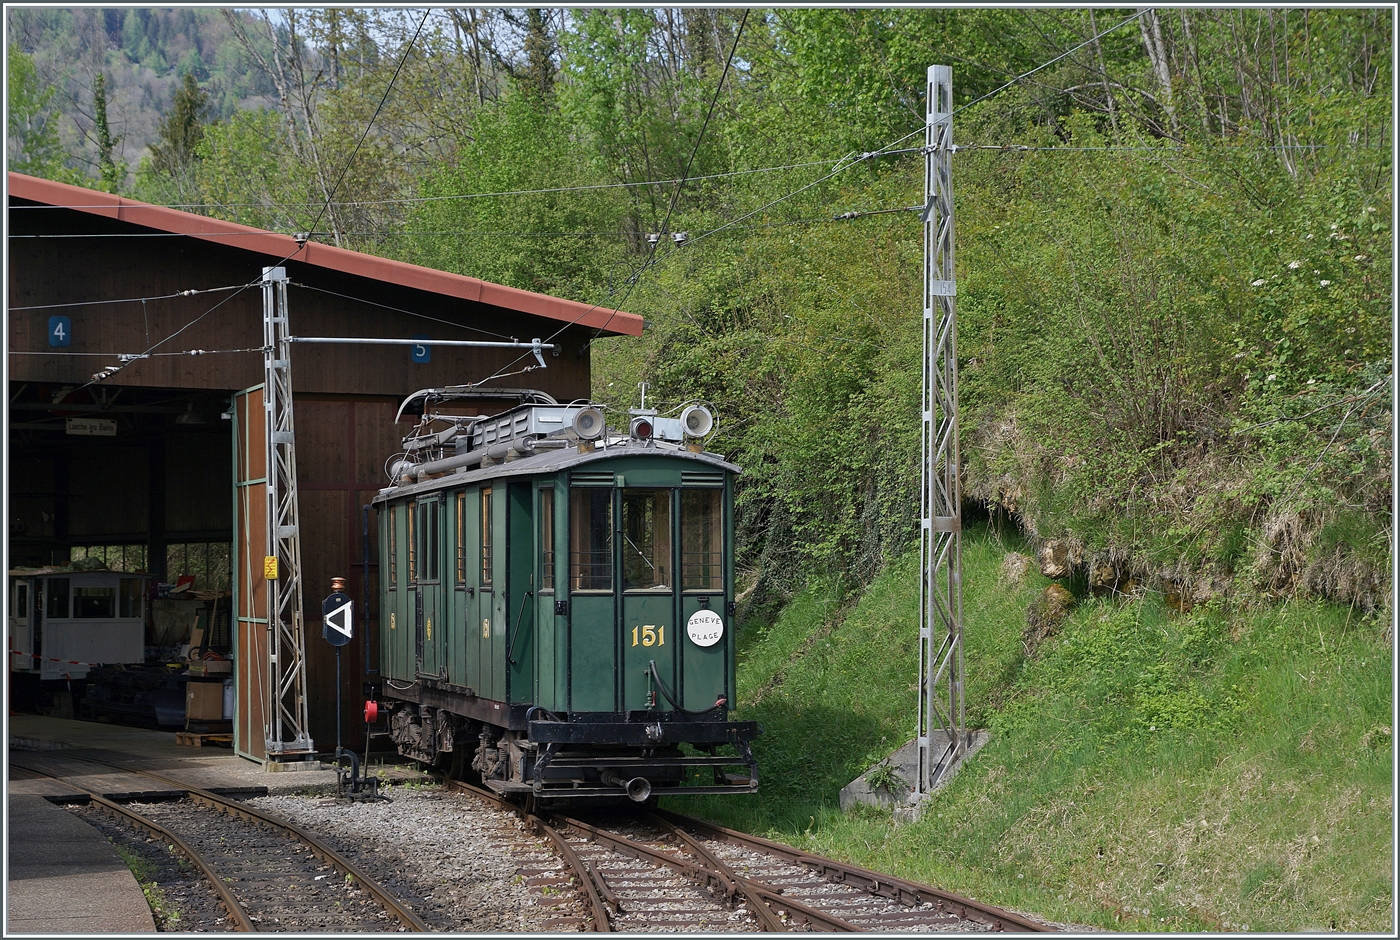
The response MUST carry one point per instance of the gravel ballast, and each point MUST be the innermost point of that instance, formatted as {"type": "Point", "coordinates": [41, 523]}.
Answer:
{"type": "Point", "coordinates": [453, 860]}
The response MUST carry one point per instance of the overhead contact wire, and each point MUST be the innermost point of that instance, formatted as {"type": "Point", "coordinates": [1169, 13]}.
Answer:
{"type": "Point", "coordinates": [129, 300]}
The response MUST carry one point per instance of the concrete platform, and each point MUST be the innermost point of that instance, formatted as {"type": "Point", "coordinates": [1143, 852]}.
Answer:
{"type": "Point", "coordinates": [64, 743]}
{"type": "Point", "coordinates": [65, 877]}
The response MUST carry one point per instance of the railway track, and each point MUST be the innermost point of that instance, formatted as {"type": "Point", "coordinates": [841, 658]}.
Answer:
{"type": "Point", "coordinates": [663, 871]}
{"type": "Point", "coordinates": [268, 874]}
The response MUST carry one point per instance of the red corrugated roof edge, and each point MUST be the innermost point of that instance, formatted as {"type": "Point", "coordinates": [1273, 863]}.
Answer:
{"type": "Point", "coordinates": [263, 242]}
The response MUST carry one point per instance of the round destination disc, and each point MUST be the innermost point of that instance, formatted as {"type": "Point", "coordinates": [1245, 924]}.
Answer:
{"type": "Point", "coordinates": [704, 628]}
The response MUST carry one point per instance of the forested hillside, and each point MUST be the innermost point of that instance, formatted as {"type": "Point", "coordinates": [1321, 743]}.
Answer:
{"type": "Point", "coordinates": [1173, 242]}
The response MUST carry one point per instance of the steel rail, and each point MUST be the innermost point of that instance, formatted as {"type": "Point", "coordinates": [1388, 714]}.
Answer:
{"type": "Point", "coordinates": [887, 886]}
{"type": "Point", "coordinates": [241, 921]}
{"type": "Point", "coordinates": [771, 921]}
{"type": "Point", "coordinates": [591, 882]}
{"type": "Point", "coordinates": [585, 874]}
{"type": "Point", "coordinates": [714, 876]}
{"type": "Point", "coordinates": [328, 855]}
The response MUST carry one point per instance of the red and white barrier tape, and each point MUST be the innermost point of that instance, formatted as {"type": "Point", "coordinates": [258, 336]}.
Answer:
{"type": "Point", "coordinates": [51, 659]}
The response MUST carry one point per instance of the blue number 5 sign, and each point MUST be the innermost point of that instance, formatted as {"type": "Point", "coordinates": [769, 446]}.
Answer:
{"type": "Point", "coordinates": [60, 331]}
{"type": "Point", "coordinates": [422, 352]}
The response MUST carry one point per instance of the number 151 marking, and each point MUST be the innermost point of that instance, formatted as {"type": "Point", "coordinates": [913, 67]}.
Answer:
{"type": "Point", "coordinates": [651, 635]}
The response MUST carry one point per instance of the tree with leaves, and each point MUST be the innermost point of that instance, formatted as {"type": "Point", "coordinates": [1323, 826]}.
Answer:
{"type": "Point", "coordinates": [111, 173]}
{"type": "Point", "coordinates": [32, 144]}
{"type": "Point", "coordinates": [182, 128]}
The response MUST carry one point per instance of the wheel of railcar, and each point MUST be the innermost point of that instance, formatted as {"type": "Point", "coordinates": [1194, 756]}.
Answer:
{"type": "Point", "coordinates": [460, 766]}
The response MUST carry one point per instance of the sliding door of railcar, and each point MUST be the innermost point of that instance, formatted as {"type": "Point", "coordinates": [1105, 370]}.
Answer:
{"type": "Point", "coordinates": [648, 574]}
{"type": "Point", "coordinates": [593, 640]}
{"type": "Point", "coordinates": [427, 553]}
{"type": "Point", "coordinates": [397, 624]}
{"type": "Point", "coordinates": [457, 634]}
{"type": "Point", "coordinates": [474, 577]}
{"type": "Point", "coordinates": [521, 588]}
{"type": "Point", "coordinates": [551, 634]}
{"type": "Point", "coordinates": [492, 592]}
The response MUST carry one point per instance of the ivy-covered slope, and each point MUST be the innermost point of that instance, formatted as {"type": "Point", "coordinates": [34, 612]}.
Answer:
{"type": "Point", "coordinates": [1218, 770]}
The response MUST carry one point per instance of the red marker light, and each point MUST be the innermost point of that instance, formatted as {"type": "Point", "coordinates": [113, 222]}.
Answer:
{"type": "Point", "coordinates": [371, 712]}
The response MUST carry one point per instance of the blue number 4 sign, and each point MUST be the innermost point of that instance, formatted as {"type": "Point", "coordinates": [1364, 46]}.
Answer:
{"type": "Point", "coordinates": [60, 331]}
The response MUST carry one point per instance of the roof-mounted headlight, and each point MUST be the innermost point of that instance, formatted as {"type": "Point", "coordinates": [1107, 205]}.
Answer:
{"type": "Point", "coordinates": [697, 421]}
{"type": "Point", "coordinates": [589, 424]}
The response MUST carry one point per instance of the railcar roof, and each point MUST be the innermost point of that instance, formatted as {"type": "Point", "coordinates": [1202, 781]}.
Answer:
{"type": "Point", "coordinates": [553, 461]}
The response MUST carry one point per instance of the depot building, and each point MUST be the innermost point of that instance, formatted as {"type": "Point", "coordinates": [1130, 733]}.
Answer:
{"type": "Point", "coordinates": [148, 475]}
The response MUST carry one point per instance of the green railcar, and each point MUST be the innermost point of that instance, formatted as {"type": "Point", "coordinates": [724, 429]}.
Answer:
{"type": "Point", "coordinates": [556, 605]}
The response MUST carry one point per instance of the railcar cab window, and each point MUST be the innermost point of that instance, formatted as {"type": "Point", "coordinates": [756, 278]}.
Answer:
{"type": "Point", "coordinates": [427, 550]}
{"type": "Point", "coordinates": [486, 537]}
{"type": "Point", "coordinates": [702, 540]}
{"type": "Point", "coordinates": [646, 547]}
{"type": "Point", "coordinates": [546, 537]}
{"type": "Point", "coordinates": [590, 539]}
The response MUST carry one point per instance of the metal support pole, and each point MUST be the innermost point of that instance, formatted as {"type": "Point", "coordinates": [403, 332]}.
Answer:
{"type": "Point", "coordinates": [942, 732]}
{"type": "Point", "coordinates": [364, 590]}
{"type": "Point", "coordinates": [338, 748]}
{"type": "Point", "coordinates": [286, 713]}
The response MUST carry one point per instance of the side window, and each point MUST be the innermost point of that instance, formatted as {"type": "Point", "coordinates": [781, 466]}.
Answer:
{"type": "Point", "coordinates": [427, 548]}
{"type": "Point", "coordinates": [56, 604]}
{"type": "Point", "coordinates": [393, 547]}
{"type": "Point", "coordinates": [412, 546]}
{"type": "Point", "coordinates": [702, 540]}
{"type": "Point", "coordinates": [546, 539]}
{"type": "Point", "coordinates": [95, 603]}
{"type": "Point", "coordinates": [461, 539]}
{"type": "Point", "coordinates": [590, 539]}
{"type": "Point", "coordinates": [486, 537]}
{"type": "Point", "coordinates": [21, 599]}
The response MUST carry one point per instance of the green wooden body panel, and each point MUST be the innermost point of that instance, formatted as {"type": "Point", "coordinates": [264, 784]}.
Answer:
{"type": "Point", "coordinates": [472, 601]}
{"type": "Point", "coordinates": [456, 621]}
{"type": "Point", "coordinates": [593, 648]}
{"type": "Point", "coordinates": [493, 648]}
{"type": "Point", "coordinates": [400, 633]}
{"type": "Point", "coordinates": [639, 611]}
{"type": "Point", "coordinates": [704, 669]}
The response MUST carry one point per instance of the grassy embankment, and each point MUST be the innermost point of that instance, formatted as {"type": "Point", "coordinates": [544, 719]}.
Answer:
{"type": "Point", "coordinates": [1217, 770]}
